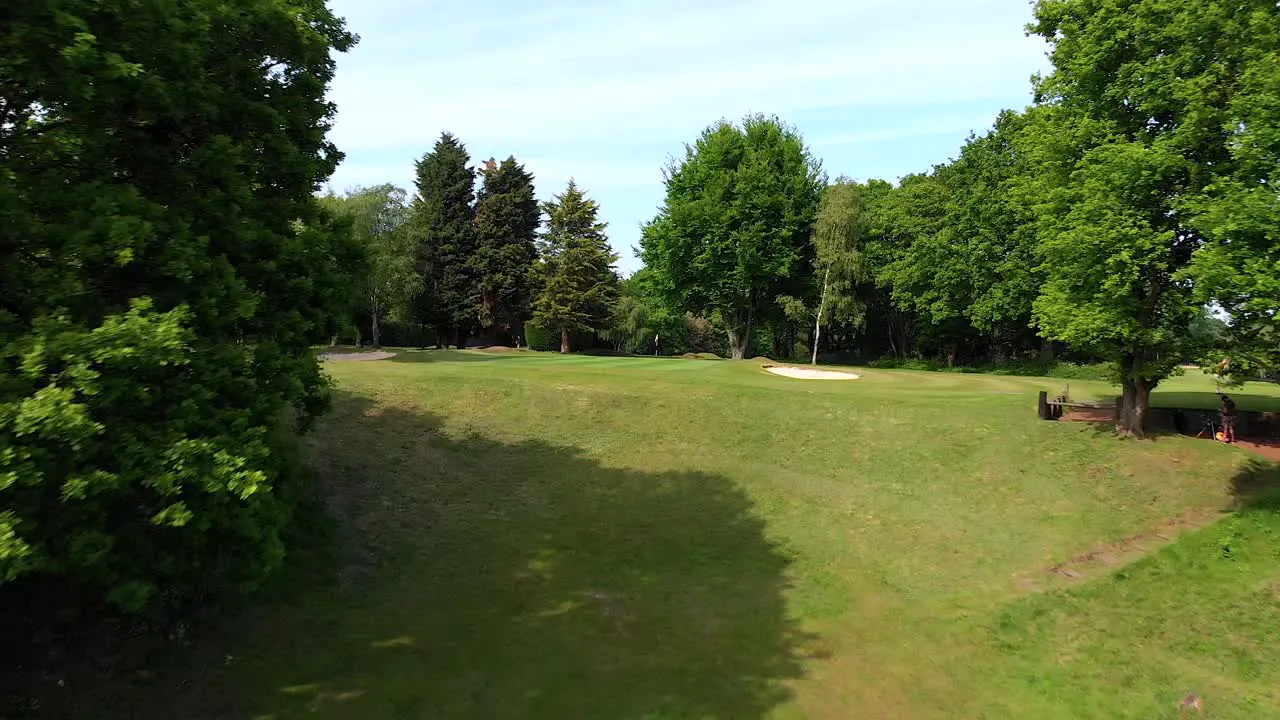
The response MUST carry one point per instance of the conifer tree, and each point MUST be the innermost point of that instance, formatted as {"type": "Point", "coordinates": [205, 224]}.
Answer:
{"type": "Point", "coordinates": [507, 220]}
{"type": "Point", "coordinates": [443, 230]}
{"type": "Point", "coordinates": [579, 284]}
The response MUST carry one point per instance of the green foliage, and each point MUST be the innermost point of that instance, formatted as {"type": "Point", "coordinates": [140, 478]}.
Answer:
{"type": "Point", "coordinates": [732, 234]}
{"type": "Point", "coordinates": [575, 270]}
{"type": "Point", "coordinates": [1237, 213]}
{"type": "Point", "coordinates": [507, 221]}
{"type": "Point", "coordinates": [956, 246]}
{"type": "Point", "coordinates": [165, 267]}
{"type": "Point", "coordinates": [1132, 133]}
{"type": "Point", "coordinates": [443, 229]}
{"type": "Point", "coordinates": [391, 277]}
{"type": "Point", "coordinates": [541, 339]}
{"type": "Point", "coordinates": [840, 264]}
{"type": "Point", "coordinates": [628, 325]}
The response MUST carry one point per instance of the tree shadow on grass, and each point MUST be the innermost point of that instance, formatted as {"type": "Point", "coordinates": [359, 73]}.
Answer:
{"type": "Point", "coordinates": [1256, 486]}
{"type": "Point", "coordinates": [492, 580]}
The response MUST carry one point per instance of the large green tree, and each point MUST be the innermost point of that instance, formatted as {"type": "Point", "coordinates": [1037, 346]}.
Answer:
{"type": "Point", "coordinates": [1139, 120]}
{"type": "Point", "coordinates": [832, 296]}
{"type": "Point", "coordinates": [165, 266]}
{"type": "Point", "coordinates": [579, 284]}
{"type": "Point", "coordinates": [1238, 267]}
{"type": "Point", "coordinates": [733, 233]}
{"type": "Point", "coordinates": [961, 244]}
{"type": "Point", "coordinates": [391, 277]}
{"type": "Point", "coordinates": [507, 222]}
{"type": "Point", "coordinates": [443, 229]}
{"type": "Point", "coordinates": [839, 235]}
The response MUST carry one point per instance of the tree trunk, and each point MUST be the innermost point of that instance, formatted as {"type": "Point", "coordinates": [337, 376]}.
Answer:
{"type": "Point", "coordinates": [735, 346]}
{"type": "Point", "coordinates": [746, 336]}
{"type": "Point", "coordinates": [951, 355]}
{"type": "Point", "coordinates": [377, 339]}
{"type": "Point", "coordinates": [564, 341]}
{"type": "Point", "coordinates": [1136, 399]}
{"type": "Point", "coordinates": [1133, 411]}
{"type": "Point", "coordinates": [817, 322]}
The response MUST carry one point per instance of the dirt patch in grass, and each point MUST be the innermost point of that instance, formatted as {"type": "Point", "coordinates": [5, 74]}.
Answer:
{"type": "Point", "coordinates": [1269, 449]}
{"type": "Point", "coordinates": [1091, 415]}
{"type": "Point", "coordinates": [1129, 549]}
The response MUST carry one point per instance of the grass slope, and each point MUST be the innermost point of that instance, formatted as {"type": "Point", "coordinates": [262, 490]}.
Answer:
{"type": "Point", "coordinates": [527, 535]}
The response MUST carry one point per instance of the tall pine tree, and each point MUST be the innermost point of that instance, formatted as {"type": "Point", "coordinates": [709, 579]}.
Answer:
{"type": "Point", "coordinates": [578, 281]}
{"type": "Point", "coordinates": [443, 229]}
{"type": "Point", "coordinates": [507, 221]}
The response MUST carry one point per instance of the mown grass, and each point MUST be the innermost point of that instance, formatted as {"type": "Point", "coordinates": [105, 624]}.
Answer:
{"type": "Point", "coordinates": [526, 535]}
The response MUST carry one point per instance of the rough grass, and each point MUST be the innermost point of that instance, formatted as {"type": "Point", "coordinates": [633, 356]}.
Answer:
{"type": "Point", "coordinates": [529, 535]}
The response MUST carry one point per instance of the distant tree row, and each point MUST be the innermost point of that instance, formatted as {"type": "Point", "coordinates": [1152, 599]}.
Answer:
{"type": "Point", "coordinates": [1104, 221]}
{"type": "Point", "coordinates": [464, 263]}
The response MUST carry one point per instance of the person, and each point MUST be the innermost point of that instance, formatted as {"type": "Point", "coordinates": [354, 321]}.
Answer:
{"type": "Point", "coordinates": [1227, 414]}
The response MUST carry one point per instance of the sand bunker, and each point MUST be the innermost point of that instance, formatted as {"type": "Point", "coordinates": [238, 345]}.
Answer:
{"type": "Point", "coordinates": [357, 356]}
{"type": "Point", "coordinates": [811, 374]}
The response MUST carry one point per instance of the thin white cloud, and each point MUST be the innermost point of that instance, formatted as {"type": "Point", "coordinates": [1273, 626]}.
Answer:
{"type": "Point", "coordinates": [604, 91]}
{"type": "Point", "coordinates": [649, 72]}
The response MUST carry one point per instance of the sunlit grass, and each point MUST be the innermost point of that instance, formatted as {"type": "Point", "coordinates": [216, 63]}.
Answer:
{"type": "Point", "coordinates": [527, 535]}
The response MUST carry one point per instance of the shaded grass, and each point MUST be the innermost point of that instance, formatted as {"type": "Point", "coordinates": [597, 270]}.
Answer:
{"type": "Point", "coordinates": [586, 536]}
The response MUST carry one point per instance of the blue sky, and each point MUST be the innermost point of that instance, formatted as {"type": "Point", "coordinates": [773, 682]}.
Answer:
{"type": "Point", "coordinates": [604, 92]}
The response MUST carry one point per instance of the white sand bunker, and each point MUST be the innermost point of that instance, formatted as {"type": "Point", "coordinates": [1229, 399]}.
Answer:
{"type": "Point", "coordinates": [810, 373]}
{"type": "Point", "coordinates": [357, 356]}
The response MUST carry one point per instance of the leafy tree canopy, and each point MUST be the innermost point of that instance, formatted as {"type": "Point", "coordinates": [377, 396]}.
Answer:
{"type": "Point", "coordinates": [733, 232]}
{"type": "Point", "coordinates": [391, 277]}
{"type": "Point", "coordinates": [165, 268]}
{"type": "Point", "coordinates": [1138, 123]}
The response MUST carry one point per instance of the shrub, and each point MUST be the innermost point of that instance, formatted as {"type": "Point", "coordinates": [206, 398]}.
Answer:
{"type": "Point", "coordinates": [540, 338]}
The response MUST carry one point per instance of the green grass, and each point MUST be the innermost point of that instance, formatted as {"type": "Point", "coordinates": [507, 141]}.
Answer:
{"type": "Point", "coordinates": [527, 535]}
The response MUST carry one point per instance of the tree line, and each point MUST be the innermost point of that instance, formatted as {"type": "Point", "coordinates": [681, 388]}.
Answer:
{"type": "Point", "coordinates": [1104, 222]}
{"type": "Point", "coordinates": [458, 263]}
